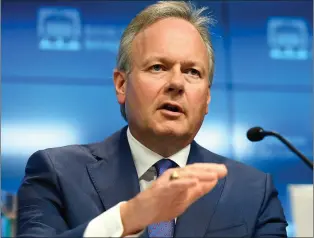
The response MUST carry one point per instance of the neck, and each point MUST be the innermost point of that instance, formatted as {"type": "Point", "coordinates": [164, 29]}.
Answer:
{"type": "Point", "coordinates": [164, 145]}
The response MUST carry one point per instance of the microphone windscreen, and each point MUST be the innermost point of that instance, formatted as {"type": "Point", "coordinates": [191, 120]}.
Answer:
{"type": "Point", "coordinates": [255, 134]}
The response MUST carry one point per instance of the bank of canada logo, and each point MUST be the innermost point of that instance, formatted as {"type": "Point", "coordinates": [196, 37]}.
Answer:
{"type": "Point", "coordinates": [288, 39]}
{"type": "Point", "coordinates": [59, 29]}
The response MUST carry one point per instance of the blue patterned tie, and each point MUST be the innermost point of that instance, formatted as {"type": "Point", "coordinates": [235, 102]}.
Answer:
{"type": "Point", "coordinates": [162, 229]}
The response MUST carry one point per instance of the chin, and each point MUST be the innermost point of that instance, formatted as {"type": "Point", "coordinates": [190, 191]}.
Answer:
{"type": "Point", "coordinates": [171, 129]}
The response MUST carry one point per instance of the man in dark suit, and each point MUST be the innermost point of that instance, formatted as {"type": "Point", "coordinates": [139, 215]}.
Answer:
{"type": "Point", "coordinates": [151, 179]}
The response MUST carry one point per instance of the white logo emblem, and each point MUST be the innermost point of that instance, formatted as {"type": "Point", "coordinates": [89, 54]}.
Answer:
{"type": "Point", "coordinates": [288, 38]}
{"type": "Point", "coordinates": [59, 29]}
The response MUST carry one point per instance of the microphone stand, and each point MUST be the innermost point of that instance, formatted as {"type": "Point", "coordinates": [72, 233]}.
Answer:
{"type": "Point", "coordinates": [291, 147]}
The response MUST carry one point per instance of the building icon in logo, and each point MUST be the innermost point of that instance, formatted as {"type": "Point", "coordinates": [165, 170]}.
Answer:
{"type": "Point", "coordinates": [288, 38]}
{"type": "Point", "coordinates": [59, 29]}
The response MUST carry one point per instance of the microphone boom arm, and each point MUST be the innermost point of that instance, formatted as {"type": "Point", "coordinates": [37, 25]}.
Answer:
{"type": "Point", "coordinates": [291, 147]}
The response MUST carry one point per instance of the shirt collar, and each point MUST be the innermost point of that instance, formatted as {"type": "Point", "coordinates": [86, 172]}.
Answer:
{"type": "Point", "coordinates": [145, 158]}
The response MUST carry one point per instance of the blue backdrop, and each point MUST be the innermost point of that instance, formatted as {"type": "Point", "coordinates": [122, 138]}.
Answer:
{"type": "Point", "coordinates": [57, 88]}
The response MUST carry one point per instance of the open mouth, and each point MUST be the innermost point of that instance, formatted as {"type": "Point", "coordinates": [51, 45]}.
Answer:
{"type": "Point", "coordinates": [171, 107]}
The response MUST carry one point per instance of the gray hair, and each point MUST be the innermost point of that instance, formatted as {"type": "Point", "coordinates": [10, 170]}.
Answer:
{"type": "Point", "coordinates": [154, 13]}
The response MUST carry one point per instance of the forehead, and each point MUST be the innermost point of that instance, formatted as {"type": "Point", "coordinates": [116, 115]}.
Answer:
{"type": "Point", "coordinates": [172, 37]}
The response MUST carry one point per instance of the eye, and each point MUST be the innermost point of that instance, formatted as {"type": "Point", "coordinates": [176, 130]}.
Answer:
{"type": "Point", "coordinates": [157, 67]}
{"type": "Point", "coordinates": [194, 72]}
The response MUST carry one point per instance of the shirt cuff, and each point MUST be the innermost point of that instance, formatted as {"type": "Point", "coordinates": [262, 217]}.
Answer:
{"type": "Point", "coordinates": [107, 224]}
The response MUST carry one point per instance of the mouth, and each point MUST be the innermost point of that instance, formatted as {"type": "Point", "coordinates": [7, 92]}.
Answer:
{"type": "Point", "coordinates": [172, 107]}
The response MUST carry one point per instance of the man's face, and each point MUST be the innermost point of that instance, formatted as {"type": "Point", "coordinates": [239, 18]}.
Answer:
{"type": "Point", "coordinates": [167, 92]}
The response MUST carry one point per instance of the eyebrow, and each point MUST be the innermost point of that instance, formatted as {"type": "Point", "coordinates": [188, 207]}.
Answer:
{"type": "Point", "coordinates": [186, 63]}
{"type": "Point", "coordinates": [149, 59]}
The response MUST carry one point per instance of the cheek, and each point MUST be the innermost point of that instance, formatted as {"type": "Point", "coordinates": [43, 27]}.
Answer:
{"type": "Point", "coordinates": [143, 92]}
{"type": "Point", "coordinates": [198, 100]}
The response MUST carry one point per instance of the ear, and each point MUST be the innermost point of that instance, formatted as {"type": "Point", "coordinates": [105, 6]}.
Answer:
{"type": "Point", "coordinates": [119, 79]}
{"type": "Point", "coordinates": [208, 100]}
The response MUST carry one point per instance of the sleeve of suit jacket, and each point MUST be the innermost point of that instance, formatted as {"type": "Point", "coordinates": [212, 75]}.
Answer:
{"type": "Point", "coordinates": [40, 205]}
{"type": "Point", "coordinates": [271, 221]}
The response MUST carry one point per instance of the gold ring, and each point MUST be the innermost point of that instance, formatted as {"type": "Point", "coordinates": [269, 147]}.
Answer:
{"type": "Point", "coordinates": [174, 175]}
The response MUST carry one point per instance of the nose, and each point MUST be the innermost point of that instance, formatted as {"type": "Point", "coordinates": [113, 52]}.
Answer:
{"type": "Point", "coordinates": [175, 84]}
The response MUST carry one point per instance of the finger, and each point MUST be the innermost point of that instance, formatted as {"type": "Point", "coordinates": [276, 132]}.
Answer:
{"type": "Point", "coordinates": [200, 175]}
{"type": "Point", "coordinates": [183, 184]}
{"type": "Point", "coordinates": [207, 187]}
{"type": "Point", "coordinates": [210, 167]}
{"type": "Point", "coordinates": [192, 173]}
{"type": "Point", "coordinates": [199, 191]}
{"type": "Point", "coordinates": [196, 192]}
{"type": "Point", "coordinates": [207, 166]}
{"type": "Point", "coordinates": [191, 179]}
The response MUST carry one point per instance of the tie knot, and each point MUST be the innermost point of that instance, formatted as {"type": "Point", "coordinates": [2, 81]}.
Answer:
{"type": "Point", "coordinates": [164, 164]}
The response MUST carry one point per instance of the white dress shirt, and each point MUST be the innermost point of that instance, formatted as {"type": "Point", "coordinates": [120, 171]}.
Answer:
{"type": "Point", "coordinates": [109, 223]}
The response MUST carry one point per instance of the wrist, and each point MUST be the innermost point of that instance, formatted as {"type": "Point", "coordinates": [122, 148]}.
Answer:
{"type": "Point", "coordinates": [132, 224]}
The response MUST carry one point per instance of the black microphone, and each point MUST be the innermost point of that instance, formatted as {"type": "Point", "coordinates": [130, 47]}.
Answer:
{"type": "Point", "coordinates": [257, 134]}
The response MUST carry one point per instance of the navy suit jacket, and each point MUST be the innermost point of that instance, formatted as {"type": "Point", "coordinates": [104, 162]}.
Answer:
{"type": "Point", "coordinates": [65, 188]}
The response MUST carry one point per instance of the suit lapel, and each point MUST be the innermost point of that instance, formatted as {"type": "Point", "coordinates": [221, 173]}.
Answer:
{"type": "Point", "coordinates": [115, 179]}
{"type": "Point", "coordinates": [114, 175]}
{"type": "Point", "coordinates": [196, 219]}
